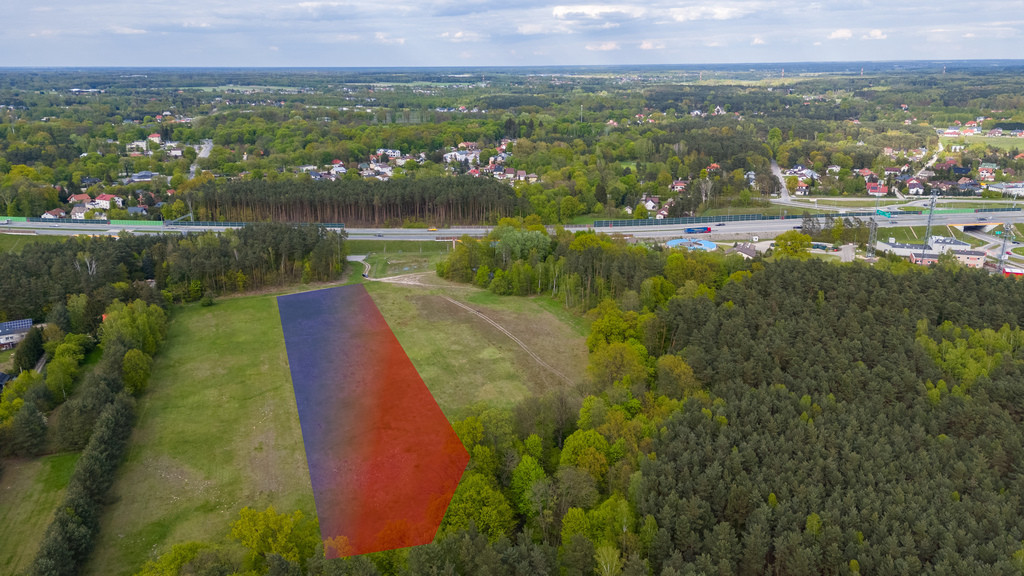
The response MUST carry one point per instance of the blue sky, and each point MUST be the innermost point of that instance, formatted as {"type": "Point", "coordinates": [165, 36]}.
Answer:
{"type": "Point", "coordinates": [511, 33]}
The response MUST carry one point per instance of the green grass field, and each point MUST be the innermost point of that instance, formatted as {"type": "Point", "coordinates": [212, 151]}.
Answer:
{"type": "Point", "coordinates": [463, 359]}
{"type": "Point", "coordinates": [1003, 142]}
{"type": "Point", "coordinates": [217, 431]}
{"type": "Point", "coordinates": [28, 487]}
{"type": "Point", "coordinates": [905, 235]}
{"type": "Point", "coordinates": [16, 242]}
{"type": "Point", "coordinates": [218, 428]}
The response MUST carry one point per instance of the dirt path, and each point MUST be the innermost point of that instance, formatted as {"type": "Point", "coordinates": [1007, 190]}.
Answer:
{"type": "Point", "coordinates": [416, 279]}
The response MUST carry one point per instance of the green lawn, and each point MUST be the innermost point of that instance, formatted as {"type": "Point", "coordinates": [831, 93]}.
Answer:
{"type": "Point", "coordinates": [587, 219]}
{"type": "Point", "coordinates": [16, 242]}
{"type": "Point", "coordinates": [905, 235]}
{"type": "Point", "coordinates": [29, 493]}
{"type": "Point", "coordinates": [217, 431]}
{"type": "Point", "coordinates": [394, 263]}
{"type": "Point", "coordinates": [5, 359]}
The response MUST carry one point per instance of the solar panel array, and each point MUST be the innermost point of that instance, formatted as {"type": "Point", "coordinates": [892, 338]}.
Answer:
{"type": "Point", "coordinates": [15, 326]}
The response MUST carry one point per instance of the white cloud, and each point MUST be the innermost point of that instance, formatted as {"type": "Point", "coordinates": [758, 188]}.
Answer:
{"type": "Point", "coordinates": [463, 36]}
{"type": "Point", "coordinates": [841, 34]}
{"type": "Point", "coordinates": [875, 34]}
{"type": "Point", "coordinates": [652, 45]}
{"type": "Point", "coordinates": [385, 39]}
{"type": "Point", "coordinates": [542, 27]}
{"type": "Point", "coordinates": [717, 12]}
{"type": "Point", "coordinates": [757, 41]}
{"type": "Point", "coordinates": [969, 35]}
{"type": "Point", "coordinates": [603, 46]}
{"type": "Point", "coordinates": [595, 12]}
{"type": "Point", "coordinates": [273, 48]}
{"type": "Point", "coordinates": [124, 30]}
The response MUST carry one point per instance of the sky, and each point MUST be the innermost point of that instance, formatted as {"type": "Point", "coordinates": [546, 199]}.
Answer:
{"type": "Point", "coordinates": [346, 33]}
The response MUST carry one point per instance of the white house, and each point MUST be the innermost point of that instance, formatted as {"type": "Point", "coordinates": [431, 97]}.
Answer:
{"type": "Point", "coordinates": [103, 201]}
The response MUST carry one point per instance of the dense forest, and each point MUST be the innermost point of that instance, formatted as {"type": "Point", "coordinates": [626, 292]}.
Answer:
{"type": "Point", "coordinates": [363, 203]}
{"type": "Point", "coordinates": [182, 268]}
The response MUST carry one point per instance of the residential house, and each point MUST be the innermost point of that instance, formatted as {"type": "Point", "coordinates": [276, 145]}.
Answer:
{"type": "Point", "coordinates": [54, 214]}
{"type": "Point", "coordinates": [13, 332]}
{"type": "Point", "coordinates": [679, 185]}
{"type": "Point", "coordinates": [137, 211]}
{"type": "Point", "coordinates": [745, 249]}
{"type": "Point", "coordinates": [915, 186]}
{"type": "Point", "coordinates": [876, 189]}
{"type": "Point", "coordinates": [104, 200]}
{"type": "Point", "coordinates": [802, 188]}
{"type": "Point", "coordinates": [78, 212]}
{"type": "Point", "coordinates": [80, 199]}
{"type": "Point", "coordinates": [987, 172]}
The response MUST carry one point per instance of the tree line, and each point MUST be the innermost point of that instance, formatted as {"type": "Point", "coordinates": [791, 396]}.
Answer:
{"type": "Point", "coordinates": [357, 202]}
{"type": "Point", "coordinates": [179, 268]}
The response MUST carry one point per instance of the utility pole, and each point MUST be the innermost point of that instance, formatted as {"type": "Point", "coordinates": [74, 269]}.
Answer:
{"type": "Point", "coordinates": [872, 237]}
{"type": "Point", "coordinates": [1006, 242]}
{"type": "Point", "coordinates": [928, 230]}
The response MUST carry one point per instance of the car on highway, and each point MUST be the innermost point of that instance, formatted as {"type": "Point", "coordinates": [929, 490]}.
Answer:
{"type": "Point", "coordinates": [720, 224]}
{"type": "Point", "coordinates": [798, 227]}
{"type": "Point", "coordinates": [379, 235]}
{"type": "Point", "coordinates": [431, 229]}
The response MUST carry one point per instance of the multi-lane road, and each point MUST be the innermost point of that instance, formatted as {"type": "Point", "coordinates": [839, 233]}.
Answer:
{"type": "Point", "coordinates": [723, 231]}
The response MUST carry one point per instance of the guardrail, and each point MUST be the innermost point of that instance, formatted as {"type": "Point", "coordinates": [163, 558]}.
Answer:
{"type": "Point", "coordinates": [243, 224]}
{"type": "Point", "coordinates": [754, 217]}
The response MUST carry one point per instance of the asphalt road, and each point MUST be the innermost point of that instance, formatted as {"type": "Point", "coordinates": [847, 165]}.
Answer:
{"type": "Point", "coordinates": [727, 231]}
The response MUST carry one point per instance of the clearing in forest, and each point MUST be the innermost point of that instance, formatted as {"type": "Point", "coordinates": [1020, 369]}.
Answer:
{"type": "Point", "coordinates": [218, 428]}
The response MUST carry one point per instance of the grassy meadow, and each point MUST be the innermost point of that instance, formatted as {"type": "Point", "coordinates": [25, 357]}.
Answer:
{"type": "Point", "coordinates": [14, 243]}
{"type": "Point", "coordinates": [218, 427]}
{"type": "Point", "coordinates": [30, 490]}
{"type": "Point", "coordinates": [217, 431]}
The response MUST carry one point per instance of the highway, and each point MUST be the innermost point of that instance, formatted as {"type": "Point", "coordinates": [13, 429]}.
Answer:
{"type": "Point", "coordinates": [730, 231]}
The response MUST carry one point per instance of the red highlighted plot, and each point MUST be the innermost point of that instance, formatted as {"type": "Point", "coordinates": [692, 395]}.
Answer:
{"type": "Point", "coordinates": [383, 459]}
